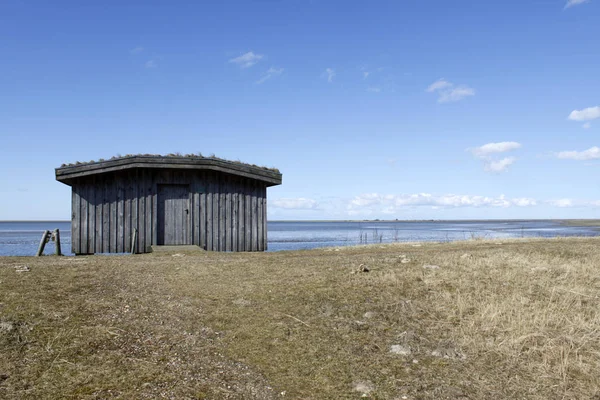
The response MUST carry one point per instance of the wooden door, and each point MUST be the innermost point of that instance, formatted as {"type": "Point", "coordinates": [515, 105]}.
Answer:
{"type": "Point", "coordinates": [173, 215]}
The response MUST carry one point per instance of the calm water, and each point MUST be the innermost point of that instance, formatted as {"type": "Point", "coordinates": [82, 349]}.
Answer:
{"type": "Point", "coordinates": [22, 238]}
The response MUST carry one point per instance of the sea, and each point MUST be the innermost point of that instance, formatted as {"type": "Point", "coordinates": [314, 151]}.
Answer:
{"type": "Point", "coordinates": [22, 238]}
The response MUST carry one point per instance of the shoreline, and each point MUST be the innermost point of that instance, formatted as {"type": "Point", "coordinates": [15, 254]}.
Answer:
{"type": "Point", "coordinates": [566, 221]}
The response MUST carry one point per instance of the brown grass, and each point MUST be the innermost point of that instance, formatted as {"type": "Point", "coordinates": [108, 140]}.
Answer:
{"type": "Point", "coordinates": [512, 320]}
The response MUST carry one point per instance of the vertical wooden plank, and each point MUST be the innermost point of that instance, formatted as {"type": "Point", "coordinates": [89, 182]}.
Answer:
{"type": "Point", "coordinates": [259, 218]}
{"type": "Point", "coordinates": [126, 211]}
{"type": "Point", "coordinates": [84, 218]}
{"type": "Point", "coordinates": [248, 216]}
{"type": "Point", "coordinates": [195, 208]}
{"type": "Point", "coordinates": [215, 210]}
{"type": "Point", "coordinates": [91, 215]}
{"type": "Point", "coordinates": [120, 214]}
{"type": "Point", "coordinates": [187, 215]}
{"type": "Point", "coordinates": [222, 215]}
{"type": "Point", "coordinates": [254, 218]}
{"type": "Point", "coordinates": [148, 180]}
{"type": "Point", "coordinates": [141, 211]}
{"type": "Point", "coordinates": [106, 199]}
{"type": "Point", "coordinates": [99, 201]}
{"type": "Point", "coordinates": [134, 211]}
{"type": "Point", "coordinates": [241, 214]}
{"type": "Point", "coordinates": [178, 219]}
{"type": "Point", "coordinates": [227, 205]}
{"type": "Point", "coordinates": [209, 202]}
{"type": "Point", "coordinates": [265, 219]}
{"type": "Point", "coordinates": [234, 214]}
{"type": "Point", "coordinates": [114, 205]}
{"type": "Point", "coordinates": [154, 211]}
{"type": "Point", "coordinates": [75, 219]}
{"type": "Point", "coordinates": [202, 208]}
{"type": "Point", "coordinates": [113, 215]}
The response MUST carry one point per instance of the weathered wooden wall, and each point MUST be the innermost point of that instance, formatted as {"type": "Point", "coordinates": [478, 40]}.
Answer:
{"type": "Point", "coordinates": [227, 212]}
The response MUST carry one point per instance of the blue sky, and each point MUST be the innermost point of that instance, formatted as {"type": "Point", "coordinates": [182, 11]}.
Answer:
{"type": "Point", "coordinates": [384, 109]}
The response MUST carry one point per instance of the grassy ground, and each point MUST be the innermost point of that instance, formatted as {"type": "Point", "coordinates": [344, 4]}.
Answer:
{"type": "Point", "coordinates": [513, 320]}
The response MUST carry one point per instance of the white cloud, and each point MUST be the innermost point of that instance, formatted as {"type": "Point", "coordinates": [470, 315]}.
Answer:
{"type": "Point", "coordinates": [499, 165]}
{"type": "Point", "coordinates": [524, 202]}
{"type": "Point", "coordinates": [151, 64]}
{"type": "Point", "coordinates": [562, 203]}
{"type": "Point", "coordinates": [455, 94]}
{"type": "Point", "coordinates": [136, 50]}
{"type": "Point", "coordinates": [439, 85]}
{"type": "Point", "coordinates": [295, 204]}
{"type": "Point", "coordinates": [587, 125]}
{"type": "Point", "coordinates": [486, 151]}
{"type": "Point", "coordinates": [271, 72]}
{"type": "Point", "coordinates": [246, 60]}
{"type": "Point", "coordinates": [373, 202]}
{"type": "Point", "coordinates": [590, 154]}
{"type": "Point", "coordinates": [448, 92]}
{"type": "Point", "coordinates": [492, 148]}
{"type": "Point", "coordinates": [587, 114]}
{"type": "Point", "coordinates": [374, 89]}
{"type": "Point", "coordinates": [571, 3]}
{"type": "Point", "coordinates": [329, 74]}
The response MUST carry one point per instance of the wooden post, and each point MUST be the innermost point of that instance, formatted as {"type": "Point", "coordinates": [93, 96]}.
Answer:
{"type": "Point", "coordinates": [43, 243]}
{"type": "Point", "coordinates": [57, 242]}
{"type": "Point", "coordinates": [133, 241]}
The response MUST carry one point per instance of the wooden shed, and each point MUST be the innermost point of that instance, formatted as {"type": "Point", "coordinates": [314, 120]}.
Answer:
{"type": "Point", "coordinates": [131, 203]}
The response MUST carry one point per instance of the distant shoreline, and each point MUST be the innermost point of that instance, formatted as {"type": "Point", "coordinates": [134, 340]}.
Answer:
{"type": "Point", "coordinates": [567, 222]}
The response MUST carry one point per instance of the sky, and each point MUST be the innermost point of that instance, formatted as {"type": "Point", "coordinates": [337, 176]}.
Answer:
{"type": "Point", "coordinates": [429, 109]}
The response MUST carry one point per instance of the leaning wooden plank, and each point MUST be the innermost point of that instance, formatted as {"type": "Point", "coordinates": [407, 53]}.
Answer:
{"type": "Point", "coordinates": [40, 251]}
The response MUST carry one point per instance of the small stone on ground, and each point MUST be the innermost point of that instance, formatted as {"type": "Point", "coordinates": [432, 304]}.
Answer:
{"type": "Point", "coordinates": [400, 350]}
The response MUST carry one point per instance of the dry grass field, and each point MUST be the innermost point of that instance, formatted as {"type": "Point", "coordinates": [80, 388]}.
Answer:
{"type": "Point", "coordinates": [516, 319]}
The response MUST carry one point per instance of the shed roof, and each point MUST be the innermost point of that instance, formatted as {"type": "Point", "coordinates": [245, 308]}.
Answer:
{"type": "Point", "coordinates": [67, 172]}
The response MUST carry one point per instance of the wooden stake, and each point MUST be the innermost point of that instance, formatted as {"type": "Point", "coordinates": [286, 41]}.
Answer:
{"type": "Point", "coordinates": [57, 242]}
{"type": "Point", "coordinates": [42, 243]}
